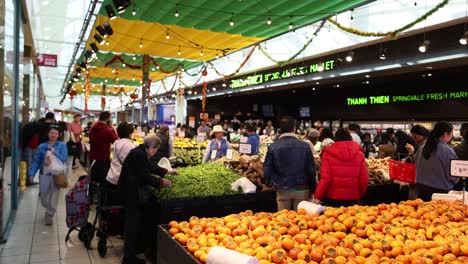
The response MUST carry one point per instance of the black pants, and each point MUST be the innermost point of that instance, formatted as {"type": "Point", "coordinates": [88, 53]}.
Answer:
{"type": "Point", "coordinates": [140, 229]}
{"type": "Point", "coordinates": [338, 203]}
{"type": "Point", "coordinates": [99, 170]}
{"type": "Point", "coordinates": [425, 192]}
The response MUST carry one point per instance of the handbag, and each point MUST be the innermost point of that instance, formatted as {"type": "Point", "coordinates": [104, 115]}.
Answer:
{"type": "Point", "coordinates": [60, 181]}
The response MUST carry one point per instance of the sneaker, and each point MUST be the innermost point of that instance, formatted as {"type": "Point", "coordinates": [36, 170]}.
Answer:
{"type": "Point", "coordinates": [48, 219]}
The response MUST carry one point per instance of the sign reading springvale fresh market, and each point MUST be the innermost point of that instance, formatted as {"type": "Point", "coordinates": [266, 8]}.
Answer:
{"type": "Point", "coordinates": [282, 74]}
{"type": "Point", "coordinates": [423, 97]}
{"type": "Point", "coordinates": [47, 60]}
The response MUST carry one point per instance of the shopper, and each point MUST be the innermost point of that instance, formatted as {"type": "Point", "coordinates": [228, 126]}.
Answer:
{"type": "Point", "coordinates": [343, 174]}
{"type": "Point", "coordinates": [269, 129]}
{"type": "Point", "coordinates": [289, 167]}
{"type": "Point", "coordinates": [326, 138]}
{"type": "Point", "coordinates": [204, 129]}
{"type": "Point", "coordinates": [433, 166]}
{"type": "Point", "coordinates": [101, 136]}
{"type": "Point", "coordinates": [48, 192]}
{"type": "Point", "coordinates": [387, 148]}
{"type": "Point", "coordinates": [402, 141]}
{"type": "Point", "coordinates": [367, 145]}
{"type": "Point", "coordinates": [165, 149]}
{"type": "Point", "coordinates": [121, 148]}
{"type": "Point", "coordinates": [419, 135]}
{"type": "Point", "coordinates": [88, 128]}
{"type": "Point", "coordinates": [378, 137]}
{"type": "Point", "coordinates": [462, 149]}
{"type": "Point", "coordinates": [352, 129]}
{"type": "Point", "coordinates": [134, 180]}
{"type": "Point", "coordinates": [189, 132]}
{"type": "Point", "coordinates": [77, 130]}
{"type": "Point", "coordinates": [312, 137]}
{"type": "Point", "coordinates": [391, 134]}
{"type": "Point", "coordinates": [43, 127]}
{"type": "Point", "coordinates": [253, 139]}
{"type": "Point", "coordinates": [29, 143]}
{"type": "Point", "coordinates": [218, 143]}
{"type": "Point", "coordinates": [66, 136]}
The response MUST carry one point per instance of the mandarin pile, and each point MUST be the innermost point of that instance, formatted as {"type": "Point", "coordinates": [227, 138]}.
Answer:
{"type": "Point", "coordinates": [409, 232]}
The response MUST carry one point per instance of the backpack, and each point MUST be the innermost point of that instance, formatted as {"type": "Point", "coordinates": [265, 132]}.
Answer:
{"type": "Point", "coordinates": [77, 204]}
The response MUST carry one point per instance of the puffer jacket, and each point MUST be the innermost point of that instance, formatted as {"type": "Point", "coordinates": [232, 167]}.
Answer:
{"type": "Point", "coordinates": [343, 175]}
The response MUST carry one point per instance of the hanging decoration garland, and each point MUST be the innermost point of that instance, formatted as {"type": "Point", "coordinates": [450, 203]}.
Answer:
{"type": "Point", "coordinates": [103, 97]}
{"type": "Point", "coordinates": [282, 63]}
{"type": "Point", "coordinates": [204, 73]}
{"type": "Point", "coordinates": [189, 86]}
{"type": "Point", "coordinates": [238, 69]}
{"type": "Point", "coordinates": [196, 74]}
{"type": "Point", "coordinates": [172, 88]}
{"type": "Point", "coordinates": [394, 33]}
{"type": "Point", "coordinates": [87, 92]}
{"type": "Point", "coordinates": [120, 59]}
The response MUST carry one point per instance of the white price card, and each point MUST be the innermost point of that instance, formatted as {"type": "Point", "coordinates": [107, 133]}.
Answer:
{"type": "Point", "coordinates": [201, 134]}
{"type": "Point", "coordinates": [181, 134]}
{"type": "Point", "coordinates": [459, 168]}
{"type": "Point", "coordinates": [229, 154]}
{"type": "Point", "coordinates": [200, 139]}
{"type": "Point", "coordinates": [213, 154]}
{"type": "Point", "coordinates": [245, 148]}
{"type": "Point", "coordinates": [244, 139]}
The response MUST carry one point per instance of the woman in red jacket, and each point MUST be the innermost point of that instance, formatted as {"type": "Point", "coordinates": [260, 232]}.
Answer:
{"type": "Point", "coordinates": [343, 175]}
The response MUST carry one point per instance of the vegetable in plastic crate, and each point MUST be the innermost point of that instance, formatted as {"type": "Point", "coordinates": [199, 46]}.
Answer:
{"type": "Point", "coordinates": [209, 179]}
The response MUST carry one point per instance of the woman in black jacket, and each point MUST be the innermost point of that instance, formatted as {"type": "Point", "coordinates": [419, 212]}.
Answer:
{"type": "Point", "coordinates": [134, 180]}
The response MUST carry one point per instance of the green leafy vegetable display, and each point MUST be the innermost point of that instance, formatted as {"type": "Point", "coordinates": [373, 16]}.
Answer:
{"type": "Point", "coordinates": [209, 179]}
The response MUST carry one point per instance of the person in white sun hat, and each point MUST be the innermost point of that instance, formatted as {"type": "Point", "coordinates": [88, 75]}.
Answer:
{"type": "Point", "coordinates": [218, 143]}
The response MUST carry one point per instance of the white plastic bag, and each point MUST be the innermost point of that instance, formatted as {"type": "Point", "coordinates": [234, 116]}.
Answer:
{"type": "Point", "coordinates": [55, 167]}
{"type": "Point", "coordinates": [246, 185]}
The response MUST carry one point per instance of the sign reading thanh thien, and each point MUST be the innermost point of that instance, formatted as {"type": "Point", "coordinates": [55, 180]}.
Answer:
{"type": "Point", "coordinates": [389, 99]}
{"type": "Point", "coordinates": [282, 74]}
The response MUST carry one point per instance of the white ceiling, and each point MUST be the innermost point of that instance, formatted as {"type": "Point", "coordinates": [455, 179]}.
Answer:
{"type": "Point", "coordinates": [56, 25]}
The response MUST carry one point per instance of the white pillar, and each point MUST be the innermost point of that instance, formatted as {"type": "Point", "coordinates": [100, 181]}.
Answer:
{"type": "Point", "coordinates": [180, 109]}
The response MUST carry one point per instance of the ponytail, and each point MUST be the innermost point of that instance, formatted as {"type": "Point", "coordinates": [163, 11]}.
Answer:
{"type": "Point", "coordinates": [434, 137]}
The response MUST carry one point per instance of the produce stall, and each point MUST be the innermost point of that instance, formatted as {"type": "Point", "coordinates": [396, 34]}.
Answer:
{"type": "Point", "coordinates": [409, 232]}
{"type": "Point", "coordinates": [205, 190]}
{"type": "Point", "coordinates": [189, 151]}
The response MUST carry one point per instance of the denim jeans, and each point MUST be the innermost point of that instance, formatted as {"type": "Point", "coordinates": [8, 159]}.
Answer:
{"type": "Point", "coordinates": [28, 156]}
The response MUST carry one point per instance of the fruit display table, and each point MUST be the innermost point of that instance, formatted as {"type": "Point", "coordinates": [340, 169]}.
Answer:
{"type": "Point", "coordinates": [409, 232]}
{"type": "Point", "coordinates": [183, 209]}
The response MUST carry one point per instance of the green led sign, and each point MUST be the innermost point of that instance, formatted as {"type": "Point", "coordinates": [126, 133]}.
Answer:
{"type": "Point", "coordinates": [282, 74]}
{"type": "Point", "coordinates": [388, 99]}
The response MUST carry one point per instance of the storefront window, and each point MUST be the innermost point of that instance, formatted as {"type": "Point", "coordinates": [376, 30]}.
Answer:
{"type": "Point", "coordinates": [9, 184]}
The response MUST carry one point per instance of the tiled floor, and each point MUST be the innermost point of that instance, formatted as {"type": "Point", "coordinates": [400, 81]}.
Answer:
{"type": "Point", "coordinates": [30, 241]}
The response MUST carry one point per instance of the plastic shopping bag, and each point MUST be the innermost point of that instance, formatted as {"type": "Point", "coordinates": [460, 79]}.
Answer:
{"type": "Point", "coordinates": [246, 185]}
{"type": "Point", "coordinates": [55, 167]}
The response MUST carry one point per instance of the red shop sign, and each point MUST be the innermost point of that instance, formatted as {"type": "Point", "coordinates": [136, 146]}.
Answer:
{"type": "Point", "coordinates": [48, 60]}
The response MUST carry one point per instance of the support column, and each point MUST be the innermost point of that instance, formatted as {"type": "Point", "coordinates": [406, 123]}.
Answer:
{"type": "Point", "coordinates": [180, 108]}
{"type": "Point", "coordinates": [15, 154]}
{"type": "Point", "coordinates": [25, 109]}
{"type": "Point", "coordinates": [145, 88]}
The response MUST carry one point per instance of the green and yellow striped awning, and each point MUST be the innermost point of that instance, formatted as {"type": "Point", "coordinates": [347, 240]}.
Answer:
{"type": "Point", "coordinates": [203, 30]}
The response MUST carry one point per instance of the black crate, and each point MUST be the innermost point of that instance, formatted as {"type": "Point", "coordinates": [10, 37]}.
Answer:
{"type": "Point", "coordinates": [385, 193]}
{"type": "Point", "coordinates": [170, 251]}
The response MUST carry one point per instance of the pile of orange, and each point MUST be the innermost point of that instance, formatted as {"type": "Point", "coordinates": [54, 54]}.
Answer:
{"type": "Point", "coordinates": [410, 232]}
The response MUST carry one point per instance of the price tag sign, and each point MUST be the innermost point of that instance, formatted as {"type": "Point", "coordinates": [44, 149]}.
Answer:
{"type": "Point", "coordinates": [245, 148]}
{"type": "Point", "coordinates": [201, 134]}
{"type": "Point", "coordinates": [229, 154]}
{"type": "Point", "coordinates": [244, 139]}
{"type": "Point", "coordinates": [182, 134]}
{"type": "Point", "coordinates": [200, 139]}
{"type": "Point", "coordinates": [459, 168]}
{"type": "Point", "coordinates": [142, 134]}
{"type": "Point", "coordinates": [213, 154]}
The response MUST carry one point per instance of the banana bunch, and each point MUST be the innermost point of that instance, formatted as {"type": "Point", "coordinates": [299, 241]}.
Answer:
{"type": "Point", "coordinates": [189, 156]}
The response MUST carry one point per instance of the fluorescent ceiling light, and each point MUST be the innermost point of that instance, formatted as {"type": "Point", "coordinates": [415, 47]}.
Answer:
{"type": "Point", "coordinates": [355, 72]}
{"type": "Point", "coordinates": [442, 58]}
{"type": "Point", "coordinates": [386, 67]}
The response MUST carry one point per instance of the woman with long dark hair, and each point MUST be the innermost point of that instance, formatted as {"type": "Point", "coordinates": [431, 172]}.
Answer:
{"type": "Point", "coordinates": [433, 165]}
{"type": "Point", "coordinates": [387, 148]}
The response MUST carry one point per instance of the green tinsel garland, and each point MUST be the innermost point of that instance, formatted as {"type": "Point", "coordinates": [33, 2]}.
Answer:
{"type": "Point", "coordinates": [393, 33]}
